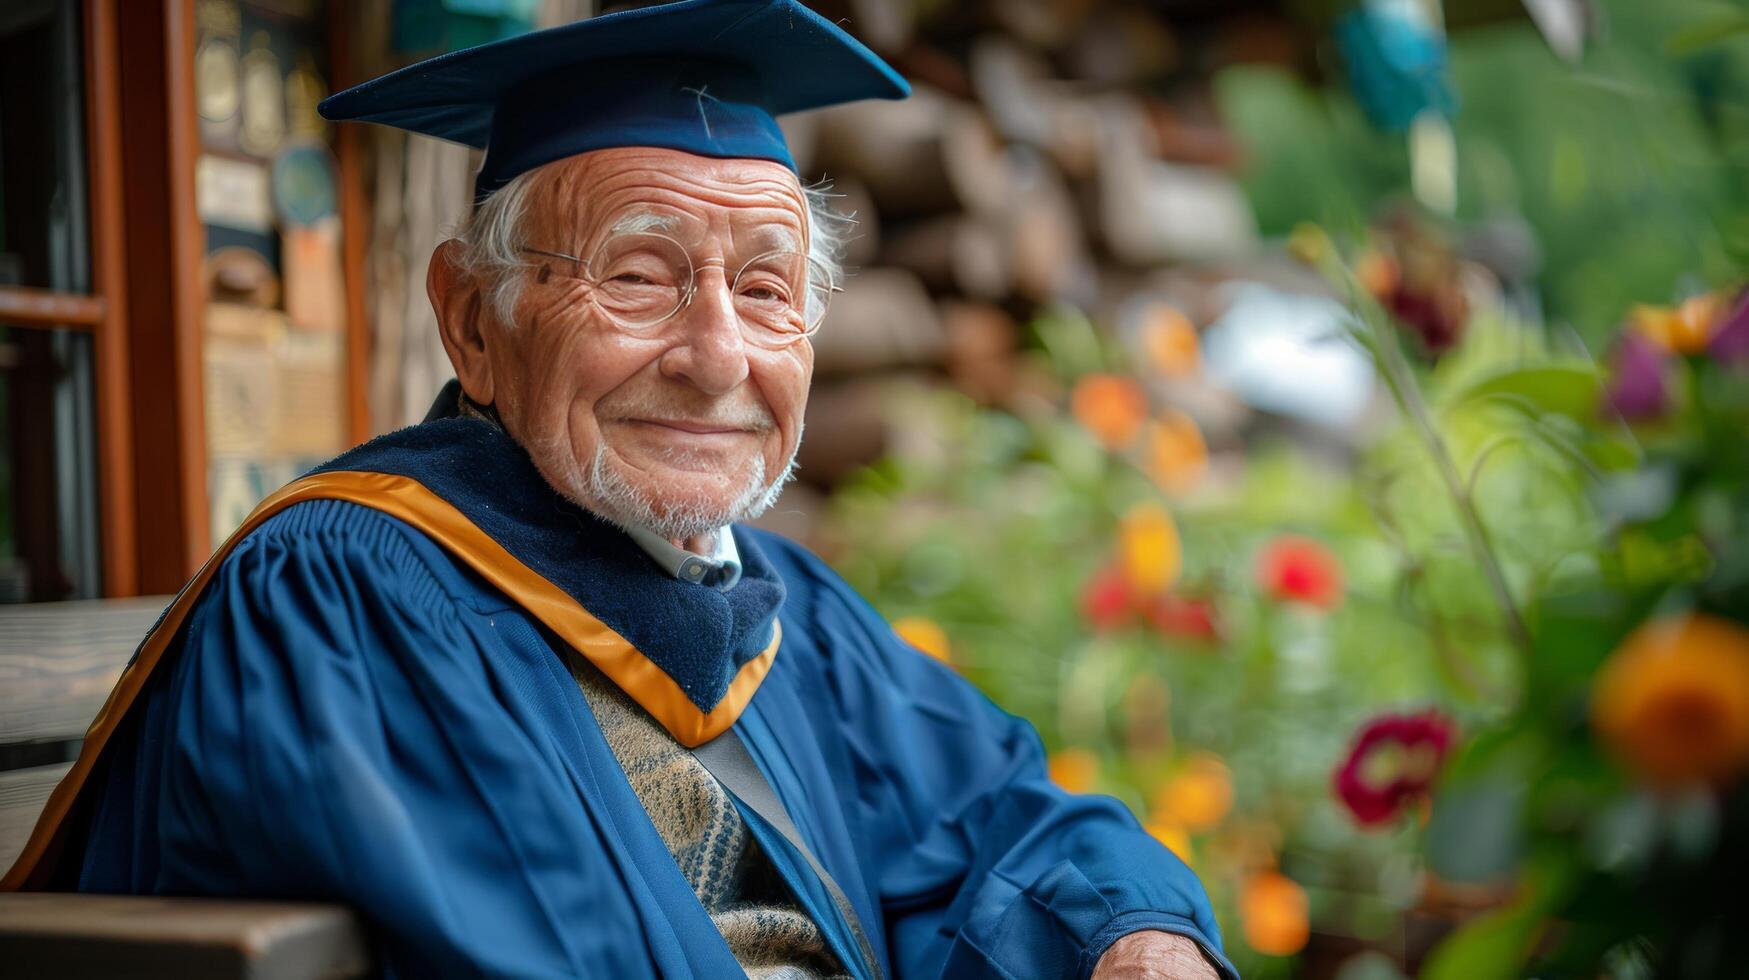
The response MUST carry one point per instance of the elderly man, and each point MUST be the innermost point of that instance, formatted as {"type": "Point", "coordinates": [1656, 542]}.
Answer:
{"type": "Point", "coordinates": [516, 685]}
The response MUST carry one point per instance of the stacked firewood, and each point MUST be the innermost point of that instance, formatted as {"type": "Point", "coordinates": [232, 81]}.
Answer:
{"type": "Point", "coordinates": [1055, 152]}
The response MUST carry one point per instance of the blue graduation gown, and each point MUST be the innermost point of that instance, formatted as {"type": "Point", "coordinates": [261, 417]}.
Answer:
{"type": "Point", "coordinates": [349, 713]}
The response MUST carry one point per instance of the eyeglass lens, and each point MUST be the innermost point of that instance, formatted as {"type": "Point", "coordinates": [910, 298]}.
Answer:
{"type": "Point", "coordinates": [641, 279]}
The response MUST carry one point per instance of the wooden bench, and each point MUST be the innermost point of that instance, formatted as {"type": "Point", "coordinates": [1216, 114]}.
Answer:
{"type": "Point", "coordinates": [57, 664]}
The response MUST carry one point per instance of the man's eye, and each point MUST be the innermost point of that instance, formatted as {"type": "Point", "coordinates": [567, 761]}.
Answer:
{"type": "Point", "coordinates": [630, 279]}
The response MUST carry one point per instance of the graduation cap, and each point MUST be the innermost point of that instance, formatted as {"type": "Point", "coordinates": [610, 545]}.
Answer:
{"type": "Point", "coordinates": [703, 76]}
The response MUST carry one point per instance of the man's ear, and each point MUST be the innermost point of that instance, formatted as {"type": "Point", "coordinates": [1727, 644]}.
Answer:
{"type": "Point", "coordinates": [461, 321]}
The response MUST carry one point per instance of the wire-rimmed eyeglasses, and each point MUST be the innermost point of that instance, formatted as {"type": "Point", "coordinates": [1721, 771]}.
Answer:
{"type": "Point", "coordinates": [638, 280]}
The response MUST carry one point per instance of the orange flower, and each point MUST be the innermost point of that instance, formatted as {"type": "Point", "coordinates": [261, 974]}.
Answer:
{"type": "Point", "coordinates": [1699, 316]}
{"type": "Point", "coordinates": [1169, 344]}
{"type": "Point", "coordinates": [1378, 274]}
{"type": "Point", "coordinates": [1299, 569]}
{"type": "Point", "coordinates": [1075, 770]}
{"type": "Point", "coordinates": [1659, 324]}
{"type": "Point", "coordinates": [1110, 406]}
{"type": "Point", "coordinates": [1176, 839]}
{"type": "Point", "coordinates": [1673, 700]}
{"type": "Point", "coordinates": [1687, 328]}
{"type": "Point", "coordinates": [925, 635]}
{"type": "Point", "coordinates": [1149, 552]}
{"type": "Point", "coordinates": [1198, 796]}
{"type": "Point", "coordinates": [1177, 457]}
{"type": "Point", "coordinates": [1273, 914]}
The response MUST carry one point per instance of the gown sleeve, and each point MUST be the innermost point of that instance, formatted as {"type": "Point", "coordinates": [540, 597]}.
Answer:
{"type": "Point", "coordinates": [334, 729]}
{"type": "Point", "coordinates": [985, 868]}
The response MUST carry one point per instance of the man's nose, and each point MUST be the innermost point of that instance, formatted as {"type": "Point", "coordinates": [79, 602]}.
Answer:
{"type": "Point", "coordinates": [709, 352]}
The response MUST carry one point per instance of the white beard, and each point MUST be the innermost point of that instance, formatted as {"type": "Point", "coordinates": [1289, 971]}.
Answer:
{"type": "Point", "coordinates": [609, 495]}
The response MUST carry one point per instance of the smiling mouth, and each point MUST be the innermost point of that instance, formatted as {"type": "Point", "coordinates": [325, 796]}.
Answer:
{"type": "Point", "coordinates": [691, 428]}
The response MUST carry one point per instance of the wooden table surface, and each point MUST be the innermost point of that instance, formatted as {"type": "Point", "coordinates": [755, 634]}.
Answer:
{"type": "Point", "coordinates": [60, 935]}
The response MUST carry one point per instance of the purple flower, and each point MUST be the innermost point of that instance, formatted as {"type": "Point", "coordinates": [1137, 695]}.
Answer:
{"type": "Point", "coordinates": [1637, 390]}
{"type": "Point", "coordinates": [1730, 342]}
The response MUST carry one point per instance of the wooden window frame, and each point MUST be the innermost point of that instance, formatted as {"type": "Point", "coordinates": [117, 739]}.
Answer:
{"type": "Point", "coordinates": [102, 313]}
{"type": "Point", "coordinates": [146, 309]}
{"type": "Point", "coordinates": [164, 247]}
{"type": "Point", "coordinates": [115, 436]}
{"type": "Point", "coordinates": [49, 309]}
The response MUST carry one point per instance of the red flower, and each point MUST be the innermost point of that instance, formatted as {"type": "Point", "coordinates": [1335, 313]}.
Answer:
{"type": "Point", "coordinates": [1175, 615]}
{"type": "Point", "coordinates": [1299, 569]}
{"type": "Point", "coordinates": [1392, 764]}
{"type": "Point", "coordinates": [1105, 599]}
{"type": "Point", "coordinates": [1435, 317]}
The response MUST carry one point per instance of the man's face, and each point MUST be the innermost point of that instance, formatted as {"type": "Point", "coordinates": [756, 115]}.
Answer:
{"type": "Point", "coordinates": [685, 425]}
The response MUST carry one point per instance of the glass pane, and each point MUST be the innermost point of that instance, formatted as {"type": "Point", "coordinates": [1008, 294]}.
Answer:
{"type": "Point", "coordinates": [48, 467]}
{"type": "Point", "coordinates": [43, 225]}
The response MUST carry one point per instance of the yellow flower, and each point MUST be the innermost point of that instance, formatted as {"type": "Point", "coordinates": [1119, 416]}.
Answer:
{"type": "Point", "coordinates": [925, 635]}
{"type": "Point", "coordinates": [1110, 406]}
{"type": "Point", "coordinates": [1169, 343]}
{"type": "Point", "coordinates": [1673, 700]}
{"type": "Point", "coordinates": [1273, 914]}
{"type": "Point", "coordinates": [1075, 770]}
{"type": "Point", "coordinates": [1198, 796]}
{"type": "Point", "coordinates": [1176, 839]}
{"type": "Point", "coordinates": [1309, 243]}
{"type": "Point", "coordinates": [1177, 456]}
{"type": "Point", "coordinates": [1149, 552]}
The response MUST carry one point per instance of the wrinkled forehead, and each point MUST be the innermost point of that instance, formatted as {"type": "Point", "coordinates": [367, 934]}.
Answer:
{"type": "Point", "coordinates": [693, 199]}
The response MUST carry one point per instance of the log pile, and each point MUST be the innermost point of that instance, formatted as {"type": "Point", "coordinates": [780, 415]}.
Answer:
{"type": "Point", "coordinates": [1054, 152]}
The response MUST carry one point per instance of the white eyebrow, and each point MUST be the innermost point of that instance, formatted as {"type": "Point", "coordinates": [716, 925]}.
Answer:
{"type": "Point", "coordinates": [639, 221]}
{"type": "Point", "coordinates": [786, 238]}
{"type": "Point", "coordinates": [642, 221]}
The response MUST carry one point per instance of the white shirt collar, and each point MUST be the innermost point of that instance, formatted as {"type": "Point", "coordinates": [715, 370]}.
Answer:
{"type": "Point", "coordinates": [720, 569]}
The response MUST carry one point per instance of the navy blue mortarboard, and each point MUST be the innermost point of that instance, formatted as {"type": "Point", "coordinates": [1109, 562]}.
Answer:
{"type": "Point", "coordinates": [704, 76]}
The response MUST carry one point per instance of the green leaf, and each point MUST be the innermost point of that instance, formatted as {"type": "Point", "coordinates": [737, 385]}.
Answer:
{"type": "Point", "coordinates": [1070, 340]}
{"type": "Point", "coordinates": [1593, 450]}
{"type": "Point", "coordinates": [1568, 389]}
{"type": "Point", "coordinates": [1693, 38]}
{"type": "Point", "coordinates": [1492, 945]}
{"type": "Point", "coordinates": [1612, 453]}
{"type": "Point", "coordinates": [1497, 944]}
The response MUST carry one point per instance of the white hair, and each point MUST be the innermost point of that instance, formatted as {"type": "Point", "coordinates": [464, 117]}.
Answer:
{"type": "Point", "coordinates": [491, 240]}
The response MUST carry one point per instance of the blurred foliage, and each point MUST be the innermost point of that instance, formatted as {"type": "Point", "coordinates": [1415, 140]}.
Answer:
{"type": "Point", "coordinates": [1464, 691]}
{"type": "Point", "coordinates": [1231, 654]}
{"type": "Point", "coordinates": [1632, 167]}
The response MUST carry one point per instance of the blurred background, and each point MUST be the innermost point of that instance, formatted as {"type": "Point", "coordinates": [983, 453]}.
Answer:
{"type": "Point", "coordinates": [1324, 419]}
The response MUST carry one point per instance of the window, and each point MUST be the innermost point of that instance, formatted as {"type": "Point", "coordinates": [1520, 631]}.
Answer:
{"type": "Point", "coordinates": [49, 544]}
